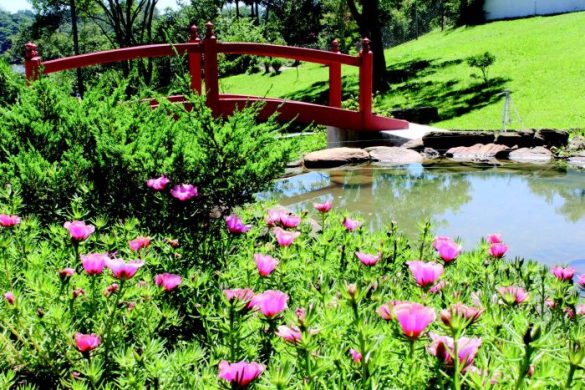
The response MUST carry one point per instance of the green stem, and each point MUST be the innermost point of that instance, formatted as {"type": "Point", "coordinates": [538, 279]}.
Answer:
{"type": "Point", "coordinates": [111, 316]}
{"type": "Point", "coordinates": [231, 335]}
{"type": "Point", "coordinates": [411, 360]}
{"type": "Point", "coordinates": [456, 363]}
{"type": "Point", "coordinates": [572, 369]}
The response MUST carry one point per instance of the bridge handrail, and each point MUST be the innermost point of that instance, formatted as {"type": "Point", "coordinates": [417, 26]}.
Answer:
{"type": "Point", "coordinates": [117, 55]}
{"type": "Point", "coordinates": [293, 53]}
{"type": "Point", "coordinates": [208, 49]}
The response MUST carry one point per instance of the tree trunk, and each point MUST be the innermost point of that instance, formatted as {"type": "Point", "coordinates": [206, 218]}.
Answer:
{"type": "Point", "coordinates": [237, 9]}
{"type": "Point", "coordinates": [74, 30]}
{"type": "Point", "coordinates": [369, 26]}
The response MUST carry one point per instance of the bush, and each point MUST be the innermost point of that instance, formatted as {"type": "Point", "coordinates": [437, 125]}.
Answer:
{"type": "Point", "coordinates": [103, 149]}
{"type": "Point", "coordinates": [482, 62]}
{"type": "Point", "coordinates": [340, 329]}
{"type": "Point", "coordinates": [276, 65]}
{"type": "Point", "coordinates": [10, 84]}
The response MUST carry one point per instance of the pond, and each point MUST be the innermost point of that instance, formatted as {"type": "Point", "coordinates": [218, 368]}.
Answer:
{"type": "Point", "coordinates": [540, 210]}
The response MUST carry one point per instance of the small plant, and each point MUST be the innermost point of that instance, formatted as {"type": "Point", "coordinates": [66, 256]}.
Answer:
{"type": "Point", "coordinates": [276, 65]}
{"type": "Point", "coordinates": [482, 62]}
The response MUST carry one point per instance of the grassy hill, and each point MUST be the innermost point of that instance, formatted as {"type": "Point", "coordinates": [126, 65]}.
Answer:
{"type": "Point", "coordinates": [540, 60]}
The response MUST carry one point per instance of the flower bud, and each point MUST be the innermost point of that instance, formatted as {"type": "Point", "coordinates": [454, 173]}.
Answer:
{"type": "Point", "coordinates": [78, 292]}
{"type": "Point", "coordinates": [352, 290]}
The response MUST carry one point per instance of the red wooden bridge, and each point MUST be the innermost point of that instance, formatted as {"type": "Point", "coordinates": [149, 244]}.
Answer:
{"type": "Point", "coordinates": [205, 51]}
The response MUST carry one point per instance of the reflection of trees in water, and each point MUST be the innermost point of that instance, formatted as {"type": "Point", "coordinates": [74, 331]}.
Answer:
{"type": "Point", "coordinates": [569, 186]}
{"type": "Point", "coordinates": [406, 196]}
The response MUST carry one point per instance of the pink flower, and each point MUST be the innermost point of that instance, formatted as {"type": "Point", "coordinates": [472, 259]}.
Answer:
{"type": "Point", "coordinates": [413, 318]}
{"type": "Point", "coordinates": [563, 274]}
{"type": "Point", "coordinates": [87, 342]}
{"type": "Point", "coordinates": [443, 347]}
{"type": "Point", "coordinates": [439, 240]}
{"type": "Point", "coordinates": [581, 309]}
{"type": "Point", "coordinates": [386, 311]}
{"type": "Point", "coordinates": [66, 273]}
{"type": "Point", "coordinates": [112, 288]}
{"type": "Point", "coordinates": [9, 296]}
{"type": "Point", "coordinates": [355, 355]}
{"type": "Point", "coordinates": [184, 192]}
{"type": "Point", "coordinates": [241, 294]}
{"type": "Point", "coordinates": [167, 281]}
{"type": "Point", "coordinates": [550, 303]}
{"type": "Point", "coordinates": [494, 238]}
{"type": "Point", "coordinates": [235, 225]}
{"type": "Point", "coordinates": [350, 225]}
{"type": "Point", "coordinates": [498, 250]}
{"type": "Point", "coordinates": [273, 217]}
{"type": "Point", "coordinates": [448, 250]}
{"type": "Point", "coordinates": [285, 238]}
{"type": "Point", "coordinates": [459, 311]}
{"type": "Point", "coordinates": [122, 270]}
{"type": "Point", "coordinates": [241, 373]}
{"type": "Point", "coordinates": [158, 184]}
{"type": "Point", "coordinates": [289, 220]}
{"type": "Point", "coordinates": [270, 303]}
{"type": "Point", "coordinates": [425, 274]}
{"type": "Point", "coordinates": [437, 287]}
{"type": "Point", "coordinates": [265, 263]}
{"type": "Point", "coordinates": [9, 220]}
{"type": "Point", "coordinates": [581, 280]}
{"type": "Point", "coordinates": [323, 207]}
{"type": "Point", "coordinates": [292, 334]}
{"type": "Point", "coordinates": [513, 295]}
{"type": "Point", "coordinates": [368, 259]}
{"type": "Point", "coordinates": [78, 292]}
{"type": "Point", "coordinates": [94, 263]}
{"type": "Point", "coordinates": [139, 243]}
{"type": "Point", "coordinates": [78, 230]}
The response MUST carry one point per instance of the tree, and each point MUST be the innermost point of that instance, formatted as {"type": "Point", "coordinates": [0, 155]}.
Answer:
{"type": "Point", "coordinates": [299, 21]}
{"type": "Point", "coordinates": [370, 23]}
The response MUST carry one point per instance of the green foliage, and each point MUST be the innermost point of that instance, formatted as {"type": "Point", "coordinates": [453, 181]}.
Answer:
{"type": "Point", "coordinates": [10, 84]}
{"type": "Point", "coordinates": [56, 147]}
{"type": "Point", "coordinates": [175, 339]}
{"type": "Point", "coordinates": [276, 65]}
{"type": "Point", "coordinates": [482, 62]}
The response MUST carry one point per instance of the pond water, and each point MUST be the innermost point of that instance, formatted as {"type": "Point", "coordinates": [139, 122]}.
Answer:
{"type": "Point", "coordinates": [540, 210]}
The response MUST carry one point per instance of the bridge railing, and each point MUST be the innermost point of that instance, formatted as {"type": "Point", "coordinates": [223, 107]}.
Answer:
{"type": "Point", "coordinates": [206, 51]}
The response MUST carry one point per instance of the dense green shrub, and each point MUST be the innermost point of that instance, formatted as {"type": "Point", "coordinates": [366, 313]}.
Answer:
{"type": "Point", "coordinates": [104, 148]}
{"type": "Point", "coordinates": [176, 339]}
{"type": "Point", "coordinates": [10, 84]}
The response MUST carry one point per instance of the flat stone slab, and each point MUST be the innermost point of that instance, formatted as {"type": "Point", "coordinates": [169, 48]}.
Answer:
{"type": "Point", "coordinates": [415, 131]}
{"type": "Point", "coordinates": [577, 161]}
{"type": "Point", "coordinates": [521, 139]}
{"type": "Point", "coordinates": [388, 155]}
{"type": "Point", "coordinates": [538, 154]}
{"type": "Point", "coordinates": [445, 140]}
{"type": "Point", "coordinates": [477, 152]}
{"type": "Point", "coordinates": [335, 157]}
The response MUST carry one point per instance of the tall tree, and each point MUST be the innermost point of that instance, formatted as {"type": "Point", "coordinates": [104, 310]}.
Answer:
{"type": "Point", "coordinates": [369, 22]}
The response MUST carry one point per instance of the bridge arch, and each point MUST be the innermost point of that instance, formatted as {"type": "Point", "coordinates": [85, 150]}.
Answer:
{"type": "Point", "coordinates": [205, 51]}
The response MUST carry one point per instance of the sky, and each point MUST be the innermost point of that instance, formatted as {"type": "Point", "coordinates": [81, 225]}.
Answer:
{"type": "Point", "coordinates": [15, 5]}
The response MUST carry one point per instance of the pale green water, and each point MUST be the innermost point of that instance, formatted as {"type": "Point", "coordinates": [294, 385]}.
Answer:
{"type": "Point", "coordinates": [540, 210]}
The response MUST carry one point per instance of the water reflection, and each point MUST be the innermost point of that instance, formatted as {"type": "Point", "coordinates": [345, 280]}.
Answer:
{"type": "Point", "coordinates": [540, 210]}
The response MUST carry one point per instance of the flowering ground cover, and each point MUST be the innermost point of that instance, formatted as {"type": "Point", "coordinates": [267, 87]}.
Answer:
{"type": "Point", "coordinates": [293, 301]}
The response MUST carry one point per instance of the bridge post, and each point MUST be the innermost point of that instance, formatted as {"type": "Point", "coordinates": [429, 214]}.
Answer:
{"type": "Point", "coordinates": [195, 61]}
{"type": "Point", "coordinates": [32, 62]}
{"type": "Point", "coordinates": [211, 69]}
{"type": "Point", "coordinates": [366, 82]}
{"type": "Point", "coordinates": [335, 78]}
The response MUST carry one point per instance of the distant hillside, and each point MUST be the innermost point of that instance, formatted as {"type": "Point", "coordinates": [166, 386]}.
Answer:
{"type": "Point", "coordinates": [540, 60]}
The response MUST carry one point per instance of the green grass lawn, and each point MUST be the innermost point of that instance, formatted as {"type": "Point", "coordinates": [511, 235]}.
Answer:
{"type": "Point", "coordinates": [540, 60]}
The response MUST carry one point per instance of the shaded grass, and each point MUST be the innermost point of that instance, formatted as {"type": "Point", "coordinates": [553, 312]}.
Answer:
{"type": "Point", "coordinates": [541, 60]}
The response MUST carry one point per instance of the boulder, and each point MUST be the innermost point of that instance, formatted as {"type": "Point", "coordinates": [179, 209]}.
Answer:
{"type": "Point", "coordinates": [577, 162]}
{"type": "Point", "coordinates": [577, 144]}
{"type": "Point", "coordinates": [476, 152]}
{"type": "Point", "coordinates": [537, 154]}
{"type": "Point", "coordinates": [551, 137]}
{"type": "Point", "coordinates": [335, 157]}
{"type": "Point", "coordinates": [414, 144]}
{"type": "Point", "coordinates": [294, 164]}
{"type": "Point", "coordinates": [444, 140]}
{"type": "Point", "coordinates": [521, 139]}
{"type": "Point", "coordinates": [431, 154]}
{"type": "Point", "coordinates": [394, 156]}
